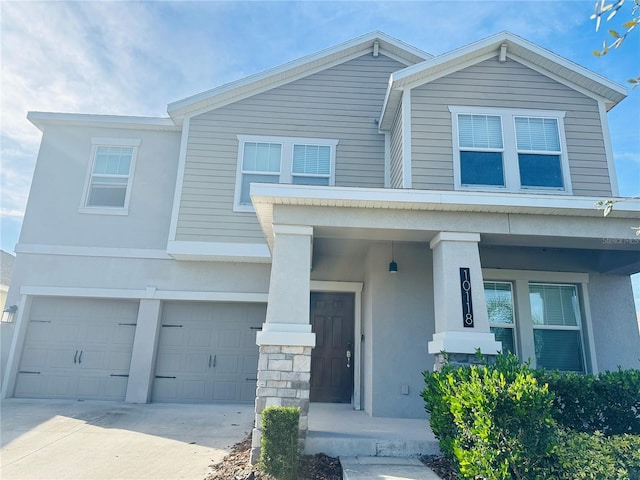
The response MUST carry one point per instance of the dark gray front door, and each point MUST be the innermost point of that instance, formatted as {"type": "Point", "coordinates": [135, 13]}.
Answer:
{"type": "Point", "coordinates": [332, 320]}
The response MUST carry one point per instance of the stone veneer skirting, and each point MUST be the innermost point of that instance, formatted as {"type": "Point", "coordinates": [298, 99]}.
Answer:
{"type": "Point", "coordinates": [284, 373]}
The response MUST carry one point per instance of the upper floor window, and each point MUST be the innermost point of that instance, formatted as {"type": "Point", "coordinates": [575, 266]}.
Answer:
{"type": "Point", "coordinates": [300, 161]}
{"type": "Point", "coordinates": [509, 150]}
{"type": "Point", "coordinates": [109, 179]}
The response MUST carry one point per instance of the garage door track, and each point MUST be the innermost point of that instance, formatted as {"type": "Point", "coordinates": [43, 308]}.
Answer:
{"type": "Point", "coordinates": [65, 439]}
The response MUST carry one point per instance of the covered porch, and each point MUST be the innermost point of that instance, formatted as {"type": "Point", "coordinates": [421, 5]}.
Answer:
{"type": "Point", "coordinates": [445, 244]}
{"type": "Point", "coordinates": [336, 429]}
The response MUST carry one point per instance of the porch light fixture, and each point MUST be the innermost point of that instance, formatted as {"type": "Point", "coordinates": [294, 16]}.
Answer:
{"type": "Point", "coordinates": [393, 266]}
{"type": "Point", "coordinates": [8, 313]}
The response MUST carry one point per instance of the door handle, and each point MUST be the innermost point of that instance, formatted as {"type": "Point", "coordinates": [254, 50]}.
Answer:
{"type": "Point", "coordinates": [214, 361]}
{"type": "Point", "coordinates": [209, 361]}
{"type": "Point", "coordinates": [349, 346]}
{"type": "Point", "coordinates": [80, 358]}
{"type": "Point", "coordinates": [75, 357]}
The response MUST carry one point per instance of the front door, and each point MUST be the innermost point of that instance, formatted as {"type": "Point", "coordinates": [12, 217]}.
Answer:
{"type": "Point", "coordinates": [332, 320]}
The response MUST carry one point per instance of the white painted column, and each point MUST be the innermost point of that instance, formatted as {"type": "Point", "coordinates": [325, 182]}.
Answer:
{"type": "Point", "coordinates": [451, 252]}
{"type": "Point", "coordinates": [287, 321]}
{"type": "Point", "coordinates": [144, 351]}
{"type": "Point", "coordinates": [286, 340]}
{"type": "Point", "coordinates": [17, 345]}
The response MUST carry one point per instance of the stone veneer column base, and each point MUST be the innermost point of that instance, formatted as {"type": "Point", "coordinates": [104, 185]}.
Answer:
{"type": "Point", "coordinates": [284, 373]}
{"type": "Point", "coordinates": [461, 360]}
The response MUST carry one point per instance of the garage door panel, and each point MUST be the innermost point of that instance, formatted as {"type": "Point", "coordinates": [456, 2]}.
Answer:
{"type": "Point", "coordinates": [225, 392]}
{"type": "Point", "coordinates": [222, 333]}
{"type": "Point", "coordinates": [76, 344]}
{"type": "Point", "coordinates": [228, 364]}
{"type": "Point", "coordinates": [196, 363]}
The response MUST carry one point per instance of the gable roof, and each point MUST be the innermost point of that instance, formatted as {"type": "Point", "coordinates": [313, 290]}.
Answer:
{"type": "Point", "coordinates": [518, 49]}
{"type": "Point", "coordinates": [294, 70]}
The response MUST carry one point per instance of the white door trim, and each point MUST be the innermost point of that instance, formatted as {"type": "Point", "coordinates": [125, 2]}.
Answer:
{"type": "Point", "coordinates": [356, 289]}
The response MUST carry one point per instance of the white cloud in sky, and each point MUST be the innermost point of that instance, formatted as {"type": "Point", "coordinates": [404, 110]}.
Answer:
{"type": "Point", "coordinates": [132, 58]}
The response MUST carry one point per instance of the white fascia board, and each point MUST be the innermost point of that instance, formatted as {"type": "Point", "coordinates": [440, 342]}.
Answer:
{"type": "Point", "coordinates": [82, 251]}
{"type": "Point", "coordinates": [177, 193]}
{"type": "Point", "coordinates": [41, 119]}
{"type": "Point", "coordinates": [608, 149]}
{"type": "Point", "coordinates": [461, 57]}
{"type": "Point", "coordinates": [288, 72]}
{"type": "Point", "coordinates": [219, 251]}
{"type": "Point", "coordinates": [401, 199]}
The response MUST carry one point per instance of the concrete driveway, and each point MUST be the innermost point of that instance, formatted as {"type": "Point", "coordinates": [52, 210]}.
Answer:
{"type": "Point", "coordinates": [90, 440]}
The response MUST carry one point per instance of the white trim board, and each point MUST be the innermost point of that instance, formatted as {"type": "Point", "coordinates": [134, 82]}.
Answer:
{"type": "Point", "coordinates": [219, 251]}
{"type": "Point", "coordinates": [77, 251]}
{"type": "Point", "coordinates": [148, 294]}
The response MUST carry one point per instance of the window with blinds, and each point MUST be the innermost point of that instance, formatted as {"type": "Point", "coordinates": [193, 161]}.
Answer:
{"type": "Point", "coordinates": [499, 298]}
{"type": "Point", "coordinates": [311, 164]}
{"type": "Point", "coordinates": [481, 146]}
{"type": "Point", "coordinates": [504, 149]}
{"type": "Point", "coordinates": [285, 160]}
{"type": "Point", "coordinates": [538, 146]}
{"type": "Point", "coordinates": [555, 314]}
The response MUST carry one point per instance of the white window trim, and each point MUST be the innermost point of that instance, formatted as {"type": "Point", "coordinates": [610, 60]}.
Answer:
{"type": "Point", "coordinates": [109, 142]}
{"type": "Point", "coordinates": [286, 161]}
{"type": "Point", "coordinates": [512, 326]}
{"type": "Point", "coordinates": [520, 281]}
{"type": "Point", "coordinates": [510, 152]}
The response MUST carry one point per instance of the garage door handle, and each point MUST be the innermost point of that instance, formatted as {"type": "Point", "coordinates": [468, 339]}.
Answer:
{"type": "Point", "coordinates": [209, 361]}
{"type": "Point", "coordinates": [75, 357]}
{"type": "Point", "coordinates": [214, 361]}
{"type": "Point", "coordinates": [80, 358]}
{"type": "Point", "coordinates": [164, 376]}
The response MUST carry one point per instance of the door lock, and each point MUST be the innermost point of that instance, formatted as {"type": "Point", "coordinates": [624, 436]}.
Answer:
{"type": "Point", "coordinates": [349, 355]}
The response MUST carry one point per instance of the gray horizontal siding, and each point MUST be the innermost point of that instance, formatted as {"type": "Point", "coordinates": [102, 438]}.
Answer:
{"type": "Point", "coordinates": [504, 85]}
{"type": "Point", "coordinates": [396, 151]}
{"type": "Point", "coordinates": [340, 103]}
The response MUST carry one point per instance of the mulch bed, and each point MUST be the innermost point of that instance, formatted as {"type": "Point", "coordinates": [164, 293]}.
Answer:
{"type": "Point", "coordinates": [235, 466]}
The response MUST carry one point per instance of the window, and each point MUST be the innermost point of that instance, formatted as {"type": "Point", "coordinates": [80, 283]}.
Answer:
{"type": "Point", "coordinates": [509, 150]}
{"type": "Point", "coordinates": [556, 326]}
{"type": "Point", "coordinates": [300, 161]}
{"type": "Point", "coordinates": [499, 299]}
{"type": "Point", "coordinates": [108, 185]}
{"type": "Point", "coordinates": [539, 319]}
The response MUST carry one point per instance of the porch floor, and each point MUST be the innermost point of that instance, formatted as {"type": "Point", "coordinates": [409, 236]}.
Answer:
{"type": "Point", "coordinates": [337, 430]}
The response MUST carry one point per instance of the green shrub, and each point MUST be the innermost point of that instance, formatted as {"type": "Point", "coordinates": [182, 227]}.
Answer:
{"type": "Point", "coordinates": [608, 402]}
{"type": "Point", "coordinates": [584, 456]}
{"type": "Point", "coordinates": [495, 421]}
{"type": "Point", "coordinates": [279, 450]}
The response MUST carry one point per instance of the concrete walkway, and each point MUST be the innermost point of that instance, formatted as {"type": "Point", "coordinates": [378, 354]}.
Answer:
{"type": "Point", "coordinates": [64, 439]}
{"type": "Point", "coordinates": [385, 468]}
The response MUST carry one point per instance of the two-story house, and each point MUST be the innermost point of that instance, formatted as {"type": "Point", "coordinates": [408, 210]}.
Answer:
{"type": "Point", "coordinates": [325, 230]}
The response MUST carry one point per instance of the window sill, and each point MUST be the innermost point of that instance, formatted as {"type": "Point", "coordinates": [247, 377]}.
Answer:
{"type": "Point", "coordinates": [103, 211]}
{"type": "Point", "coordinates": [543, 191]}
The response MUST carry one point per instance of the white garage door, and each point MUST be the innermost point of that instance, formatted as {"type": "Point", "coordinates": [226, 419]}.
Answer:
{"type": "Point", "coordinates": [207, 352]}
{"type": "Point", "coordinates": [77, 348]}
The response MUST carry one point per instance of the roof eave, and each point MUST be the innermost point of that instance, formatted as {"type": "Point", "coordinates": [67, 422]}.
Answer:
{"type": "Point", "coordinates": [42, 119]}
{"type": "Point", "coordinates": [612, 93]}
{"type": "Point", "coordinates": [247, 86]}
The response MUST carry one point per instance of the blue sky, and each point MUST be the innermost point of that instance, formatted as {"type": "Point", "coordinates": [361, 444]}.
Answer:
{"type": "Point", "coordinates": [132, 58]}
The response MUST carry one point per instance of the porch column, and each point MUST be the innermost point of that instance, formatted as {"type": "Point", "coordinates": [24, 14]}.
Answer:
{"type": "Point", "coordinates": [462, 323]}
{"type": "Point", "coordinates": [143, 356]}
{"type": "Point", "coordinates": [286, 340]}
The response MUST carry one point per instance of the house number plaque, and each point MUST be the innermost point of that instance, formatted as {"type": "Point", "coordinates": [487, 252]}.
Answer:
{"type": "Point", "coordinates": [467, 305]}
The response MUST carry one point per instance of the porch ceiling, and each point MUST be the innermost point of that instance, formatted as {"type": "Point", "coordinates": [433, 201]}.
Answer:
{"type": "Point", "coordinates": [510, 220]}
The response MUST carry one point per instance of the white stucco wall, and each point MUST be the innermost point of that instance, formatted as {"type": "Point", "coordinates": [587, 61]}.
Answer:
{"type": "Point", "coordinates": [398, 324]}
{"type": "Point", "coordinates": [617, 340]}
